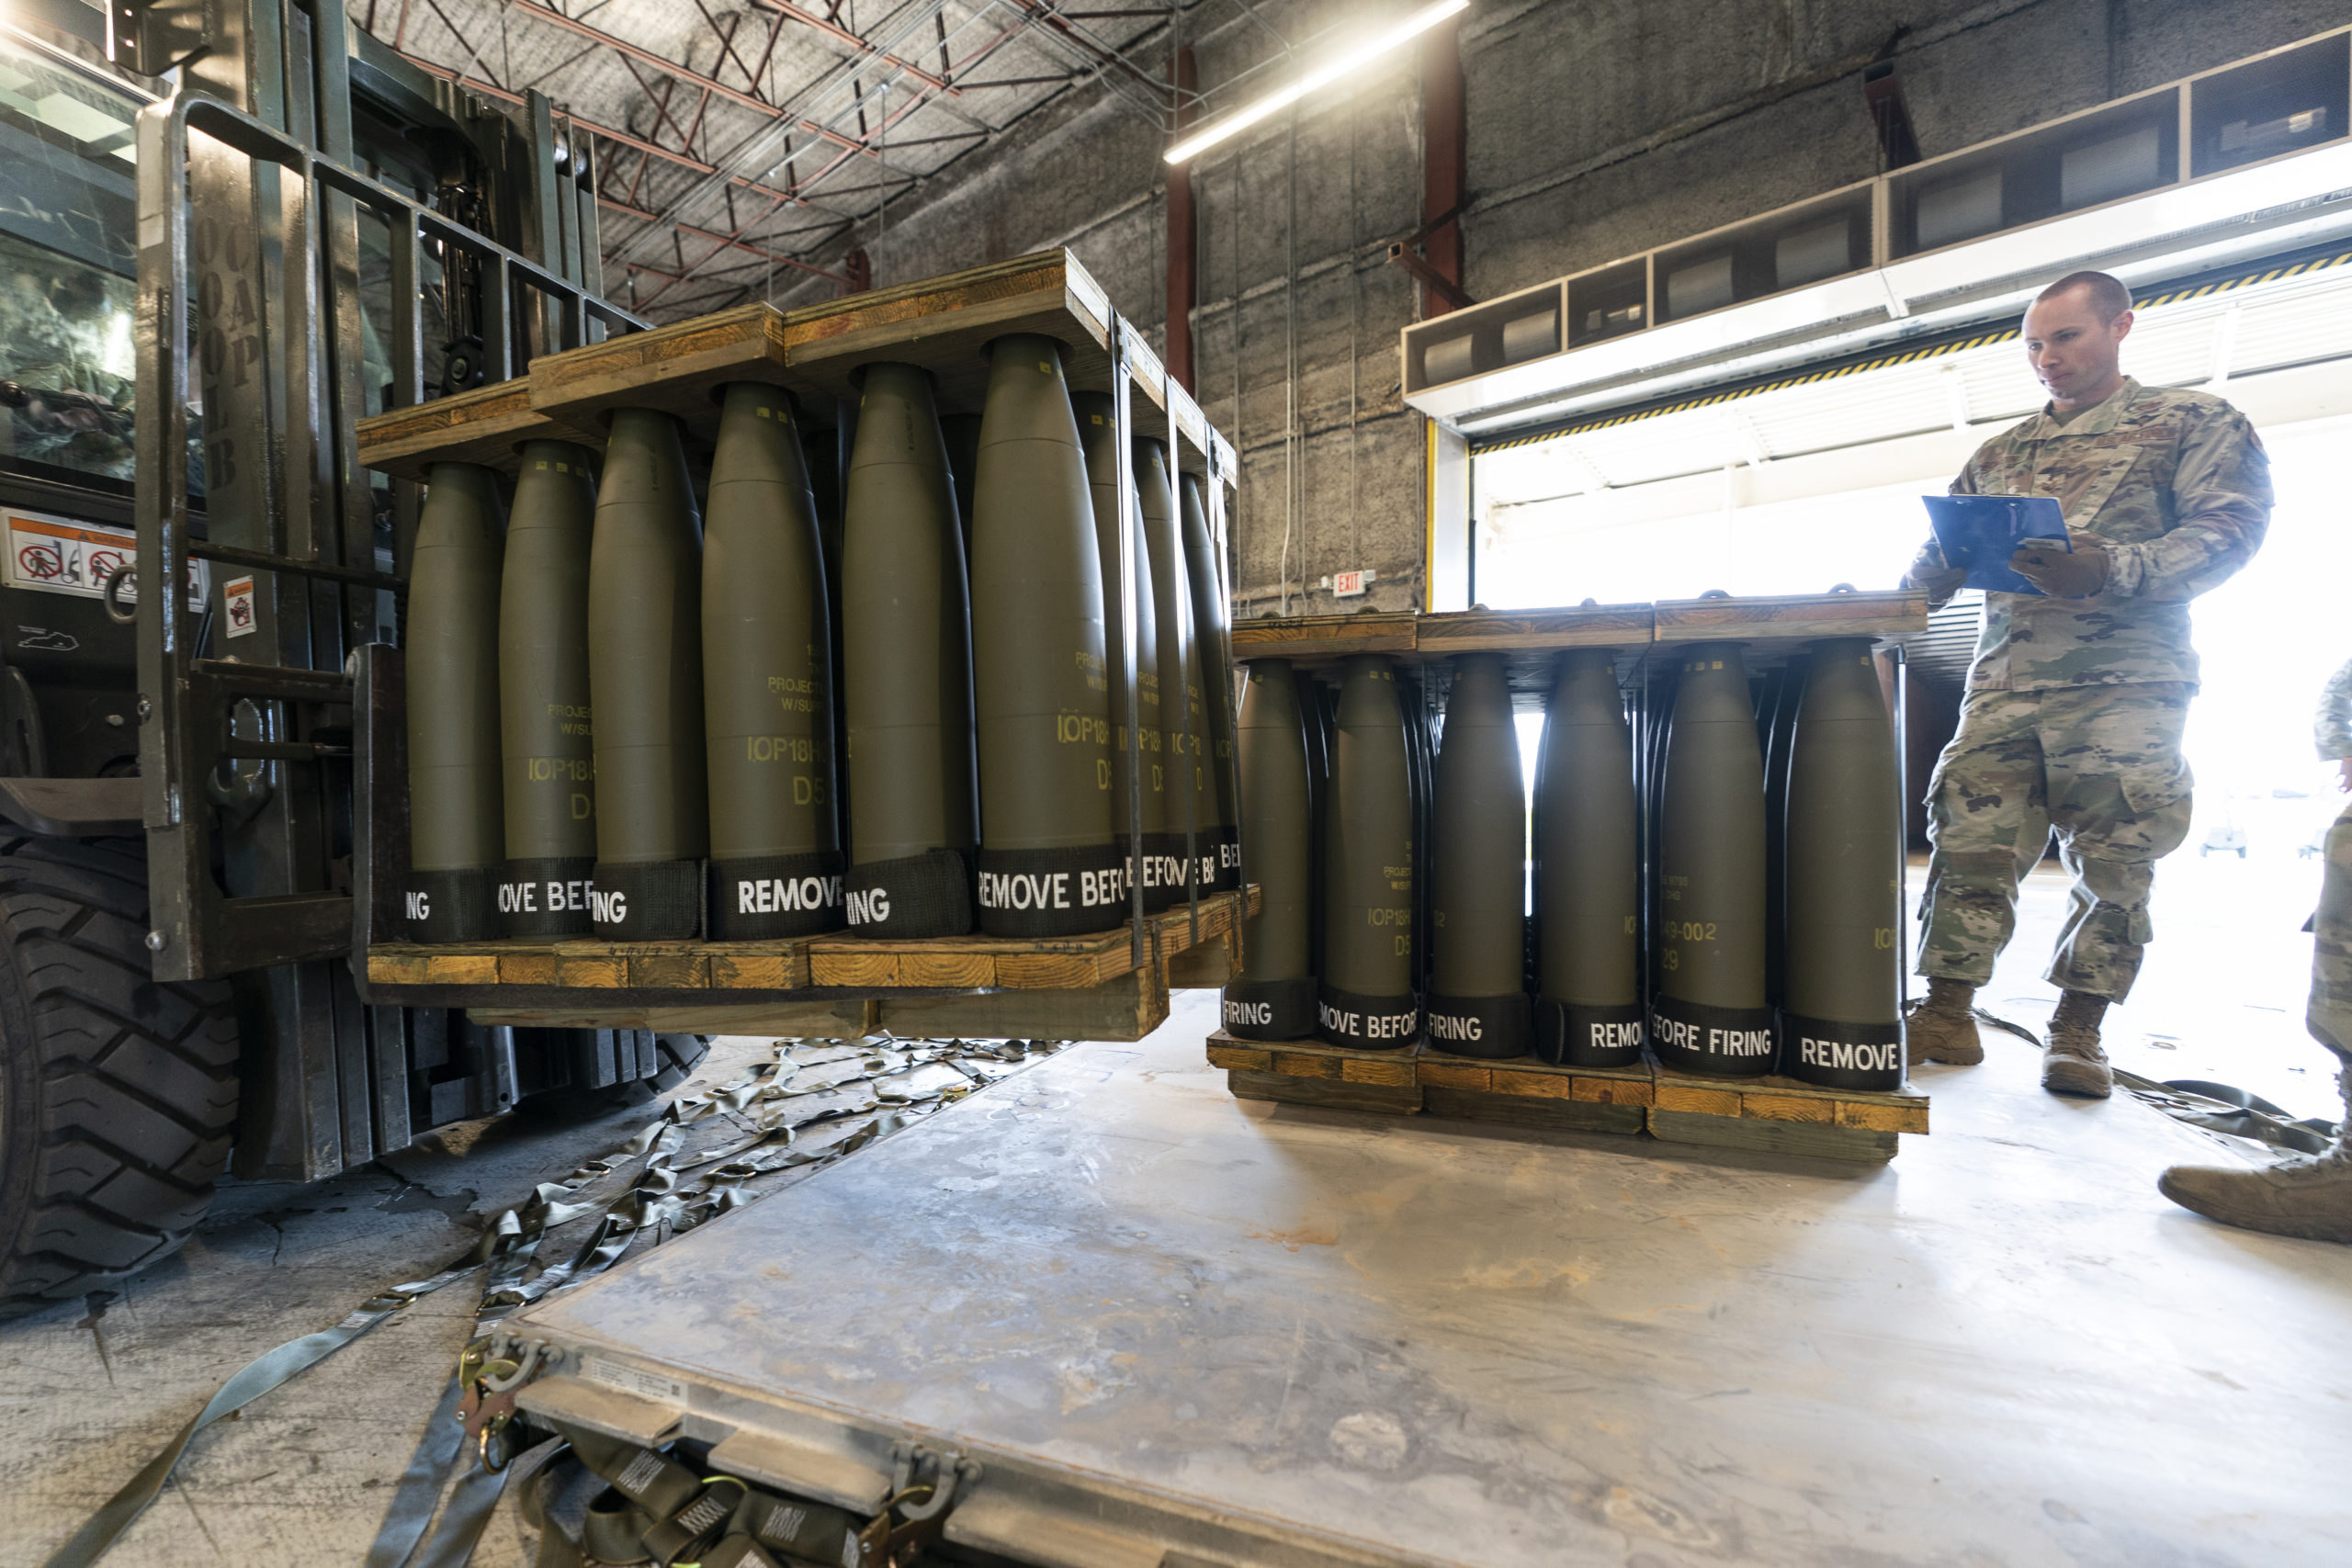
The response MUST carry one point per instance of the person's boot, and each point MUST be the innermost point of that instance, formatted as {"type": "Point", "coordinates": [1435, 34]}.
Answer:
{"type": "Point", "coordinates": [2072, 1061]}
{"type": "Point", "coordinates": [1942, 1027]}
{"type": "Point", "coordinates": [2303, 1195]}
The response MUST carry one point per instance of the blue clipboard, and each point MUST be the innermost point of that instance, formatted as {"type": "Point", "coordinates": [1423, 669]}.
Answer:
{"type": "Point", "coordinates": [1978, 533]}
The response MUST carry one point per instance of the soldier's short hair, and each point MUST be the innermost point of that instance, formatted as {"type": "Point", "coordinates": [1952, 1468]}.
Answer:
{"type": "Point", "coordinates": [2108, 295]}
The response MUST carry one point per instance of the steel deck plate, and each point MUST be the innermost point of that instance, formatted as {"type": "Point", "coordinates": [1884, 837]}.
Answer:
{"type": "Point", "coordinates": [1166, 1320]}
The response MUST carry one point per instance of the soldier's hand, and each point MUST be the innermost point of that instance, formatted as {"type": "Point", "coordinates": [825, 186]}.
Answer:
{"type": "Point", "coordinates": [2062, 574]}
{"type": "Point", "coordinates": [1941, 583]}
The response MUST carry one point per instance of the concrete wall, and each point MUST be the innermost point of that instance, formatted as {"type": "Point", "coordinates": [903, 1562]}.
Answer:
{"type": "Point", "coordinates": [1595, 127]}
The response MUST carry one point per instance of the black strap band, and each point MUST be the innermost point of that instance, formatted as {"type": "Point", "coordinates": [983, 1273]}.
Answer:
{"type": "Point", "coordinates": [1270, 1009]}
{"type": "Point", "coordinates": [1163, 870]}
{"type": "Point", "coordinates": [1842, 1056]}
{"type": "Point", "coordinates": [1489, 1027]}
{"type": "Point", "coordinates": [1716, 1042]}
{"type": "Point", "coordinates": [914, 897]}
{"type": "Point", "coordinates": [1571, 1035]}
{"type": "Point", "coordinates": [545, 897]}
{"type": "Point", "coordinates": [648, 902]}
{"type": "Point", "coordinates": [1366, 1023]}
{"type": "Point", "coordinates": [760, 898]}
{"type": "Point", "coordinates": [1225, 855]}
{"type": "Point", "coordinates": [453, 906]}
{"type": "Point", "coordinates": [1047, 893]}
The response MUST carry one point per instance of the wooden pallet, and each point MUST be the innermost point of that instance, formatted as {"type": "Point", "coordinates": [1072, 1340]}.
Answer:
{"type": "Point", "coordinates": [845, 965]}
{"type": "Point", "coordinates": [1307, 1072]}
{"type": "Point", "coordinates": [1773, 1115]}
{"type": "Point", "coordinates": [1783, 1116]}
{"type": "Point", "coordinates": [944, 324]}
{"type": "Point", "coordinates": [487, 425]}
{"type": "Point", "coordinates": [1767, 626]}
{"type": "Point", "coordinates": [1527, 1093]}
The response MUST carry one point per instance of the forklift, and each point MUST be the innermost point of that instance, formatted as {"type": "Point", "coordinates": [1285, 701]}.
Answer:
{"type": "Point", "coordinates": [228, 229]}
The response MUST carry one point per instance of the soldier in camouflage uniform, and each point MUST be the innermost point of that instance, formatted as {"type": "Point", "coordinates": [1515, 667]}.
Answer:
{"type": "Point", "coordinates": [2075, 702]}
{"type": "Point", "coordinates": [2304, 1195]}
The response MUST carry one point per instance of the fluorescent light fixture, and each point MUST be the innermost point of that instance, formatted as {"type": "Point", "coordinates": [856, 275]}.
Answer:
{"type": "Point", "coordinates": [1345, 64]}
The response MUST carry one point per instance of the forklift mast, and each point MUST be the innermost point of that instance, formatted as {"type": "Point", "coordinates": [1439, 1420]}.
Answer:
{"type": "Point", "coordinates": [250, 226]}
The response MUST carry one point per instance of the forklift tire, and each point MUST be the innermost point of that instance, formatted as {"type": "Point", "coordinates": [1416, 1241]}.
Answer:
{"type": "Point", "coordinates": [677, 1055]}
{"type": "Point", "coordinates": [118, 1094]}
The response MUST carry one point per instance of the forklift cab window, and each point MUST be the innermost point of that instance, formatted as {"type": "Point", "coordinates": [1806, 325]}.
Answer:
{"type": "Point", "coordinates": [68, 265]}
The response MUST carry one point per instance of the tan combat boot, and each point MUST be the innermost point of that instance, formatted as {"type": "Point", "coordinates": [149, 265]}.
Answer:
{"type": "Point", "coordinates": [1941, 1028]}
{"type": "Point", "coordinates": [2072, 1061]}
{"type": "Point", "coordinates": [2303, 1195]}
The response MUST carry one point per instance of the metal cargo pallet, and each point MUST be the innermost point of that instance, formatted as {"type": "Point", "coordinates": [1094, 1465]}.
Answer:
{"type": "Point", "coordinates": [1173, 1328]}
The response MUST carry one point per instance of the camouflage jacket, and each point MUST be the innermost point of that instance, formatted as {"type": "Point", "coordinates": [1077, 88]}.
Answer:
{"type": "Point", "coordinates": [2174, 485]}
{"type": "Point", "coordinates": [2334, 729]}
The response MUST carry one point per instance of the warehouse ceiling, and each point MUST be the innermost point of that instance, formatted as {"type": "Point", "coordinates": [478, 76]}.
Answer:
{"type": "Point", "coordinates": [738, 140]}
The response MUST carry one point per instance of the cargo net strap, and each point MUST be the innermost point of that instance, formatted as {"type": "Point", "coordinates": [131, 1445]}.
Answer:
{"type": "Point", "coordinates": [1370, 1023]}
{"type": "Point", "coordinates": [1712, 1042]}
{"type": "Point", "coordinates": [1479, 1026]}
{"type": "Point", "coordinates": [1270, 1009]}
{"type": "Point", "coordinates": [1048, 892]}
{"type": "Point", "coordinates": [545, 897]}
{"type": "Point", "coordinates": [650, 901]}
{"type": "Point", "coordinates": [711, 1151]}
{"type": "Point", "coordinates": [1573, 1034]}
{"type": "Point", "coordinates": [764, 896]}
{"type": "Point", "coordinates": [453, 906]}
{"type": "Point", "coordinates": [607, 1501]}
{"type": "Point", "coordinates": [915, 898]}
{"type": "Point", "coordinates": [1841, 1056]}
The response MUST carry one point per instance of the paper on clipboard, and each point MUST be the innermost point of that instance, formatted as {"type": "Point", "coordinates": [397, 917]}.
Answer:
{"type": "Point", "coordinates": [1978, 533]}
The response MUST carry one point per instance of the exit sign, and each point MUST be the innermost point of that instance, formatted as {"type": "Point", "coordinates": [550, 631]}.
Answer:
{"type": "Point", "coordinates": [1350, 584]}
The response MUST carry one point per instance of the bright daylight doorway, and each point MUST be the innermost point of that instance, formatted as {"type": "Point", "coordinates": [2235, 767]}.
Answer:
{"type": "Point", "coordinates": [1811, 483]}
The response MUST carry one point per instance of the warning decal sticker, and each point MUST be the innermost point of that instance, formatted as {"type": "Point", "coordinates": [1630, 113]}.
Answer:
{"type": "Point", "coordinates": [52, 555]}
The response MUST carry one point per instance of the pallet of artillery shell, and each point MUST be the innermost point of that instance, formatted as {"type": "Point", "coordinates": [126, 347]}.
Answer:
{"type": "Point", "coordinates": [487, 425]}
{"type": "Point", "coordinates": [1767, 625]}
{"type": "Point", "coordinates": [836, 967]}
{"type": "Point", "coordinates": [1774, 1115]}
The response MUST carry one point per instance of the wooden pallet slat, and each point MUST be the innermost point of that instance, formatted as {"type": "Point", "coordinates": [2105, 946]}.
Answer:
{"type": "Point", "coordinates": [486, 425]}
{"type": "Point", "coordinates": [1769, 1114]}
{"type": "Point", "coordinates": [678, 369]}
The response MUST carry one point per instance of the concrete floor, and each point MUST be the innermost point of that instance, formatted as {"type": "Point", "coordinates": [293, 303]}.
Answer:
{"type": "Point", "coordinates": [88, 1391]}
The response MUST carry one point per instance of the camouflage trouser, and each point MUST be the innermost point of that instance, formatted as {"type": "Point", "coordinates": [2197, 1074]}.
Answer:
{"type": "Point", "coordinates": [2329, 1017]}
{"type": "Point", "coordinates": [2102, 764]}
